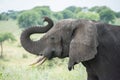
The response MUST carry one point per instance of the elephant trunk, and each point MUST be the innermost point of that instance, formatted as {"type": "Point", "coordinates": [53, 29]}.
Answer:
{"type": "Point", "coordinates": [34, 46]}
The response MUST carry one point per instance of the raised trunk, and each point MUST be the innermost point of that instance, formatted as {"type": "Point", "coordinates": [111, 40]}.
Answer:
{"type": "Point", "coordinates": [34, 46]}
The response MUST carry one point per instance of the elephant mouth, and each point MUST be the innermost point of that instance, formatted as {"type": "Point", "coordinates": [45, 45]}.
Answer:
{"type": "Point", "coordinates": [39, 61]}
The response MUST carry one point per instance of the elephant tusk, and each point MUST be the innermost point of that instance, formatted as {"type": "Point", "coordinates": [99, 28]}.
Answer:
{"type": "Point", "coordinates": [40, 61]}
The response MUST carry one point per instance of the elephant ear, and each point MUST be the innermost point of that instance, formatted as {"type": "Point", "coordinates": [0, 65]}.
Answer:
{"type": "Point", "coordinates": [83, 46]}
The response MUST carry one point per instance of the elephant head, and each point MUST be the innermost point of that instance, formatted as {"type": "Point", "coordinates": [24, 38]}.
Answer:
{"type": "Point", "coordinates": [76, 39]}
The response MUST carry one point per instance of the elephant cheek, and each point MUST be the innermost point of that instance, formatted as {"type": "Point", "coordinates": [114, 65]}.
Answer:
{"type": "Point", "coordinates": [47, 53]}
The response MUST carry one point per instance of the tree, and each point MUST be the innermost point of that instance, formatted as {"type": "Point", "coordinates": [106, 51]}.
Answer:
{"type": "Point", "coordinates": [118, 14]}
{"type": "Point", "coordinates": [43, 11]}
{"type": "Point", "coordinates": [58, 15]}
{"type": "Point", "coordinates": [88, 15]}
{"type": "Point", "coordinates": [28, 19]}
{"type": "Point", "coordinates": [78, 9]}
{"type": "Point", "coordinates": [4, 16]}
{"type": "Point", "coordinates": [67, 14]}
{"type": "Point", "coordinates": [0, 16]}
{"type": "Point", "coordinates": [71, 8]}
{"type": "Point", "coordinates": [4, 37]}
{"type": "Point", "coordinates": [96, 9]}
{"type": "Point", "coordinates": [13, 14]}
{"type": "Point", "coordinates": [106, 14]}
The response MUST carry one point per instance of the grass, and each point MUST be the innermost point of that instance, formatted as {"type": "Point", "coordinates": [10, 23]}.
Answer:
{"type": "Point", "coordinates": [31, 73]}
{"type": "Point", "coordinates": [15, 67]}
{"type": "Point", "coordinates": [9, 26]}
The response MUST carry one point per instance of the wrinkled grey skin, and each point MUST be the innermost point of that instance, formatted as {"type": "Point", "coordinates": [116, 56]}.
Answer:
{"type": "Point", "coordinates": [95, 44]}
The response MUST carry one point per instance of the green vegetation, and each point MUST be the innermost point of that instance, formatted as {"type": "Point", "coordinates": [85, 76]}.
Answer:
{"type": "Point", "coordinates": [15, 63]}
{"type": "Point", "coordinates": [33, 16]}
{"type": "Point", "coordinates": [28, 19]}
{"type": "Point", "coordinates": [117, 21]}
{"type": "Point", "coordinates": [88, 15]}
{"type": "Point", "coordinates": [4, 37]}
{"type": "Point", "coordinates": [25, 72]}
{"type": "Point", "coordinates": [106, 14]}
{"type": "Point", "coordinates": [9, 26]}
{"type": "Point", "coordinates": [3, 16]}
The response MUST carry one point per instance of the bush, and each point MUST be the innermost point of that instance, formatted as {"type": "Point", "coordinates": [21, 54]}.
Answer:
{"type": "Point", "coordinates": [88, 15]}
{"type": "Point", "coordinates": [24, 56]}
{"type": "Point", "coordinates": [28, 19]}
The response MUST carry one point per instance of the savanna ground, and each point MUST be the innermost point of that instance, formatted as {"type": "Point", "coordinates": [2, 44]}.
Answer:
{"type": "Point", "coordinates": [15, 63]}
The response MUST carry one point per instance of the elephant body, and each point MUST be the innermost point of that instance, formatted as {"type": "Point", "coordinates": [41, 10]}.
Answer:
{"type": "Point", "coordinates": [95, 44]}
{"type": "Point", "coordinates": [106, 64]}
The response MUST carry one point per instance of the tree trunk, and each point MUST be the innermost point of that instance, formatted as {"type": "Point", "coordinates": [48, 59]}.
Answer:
{"type": "Point", "coordinates": [1, 49]}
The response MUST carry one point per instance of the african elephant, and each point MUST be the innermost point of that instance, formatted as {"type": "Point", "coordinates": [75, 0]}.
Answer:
{"type": "Point", "coordinates": [95, 44]}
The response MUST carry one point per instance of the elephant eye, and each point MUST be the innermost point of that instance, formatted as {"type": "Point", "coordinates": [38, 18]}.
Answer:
{"type": "Point", "coordinates": [52, 38]}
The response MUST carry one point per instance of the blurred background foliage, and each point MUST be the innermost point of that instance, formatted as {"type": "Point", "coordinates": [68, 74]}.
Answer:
{"type": "Point", "coordinates": [15, 60]}
{"type": "Point", "coordinates": [27, 18]}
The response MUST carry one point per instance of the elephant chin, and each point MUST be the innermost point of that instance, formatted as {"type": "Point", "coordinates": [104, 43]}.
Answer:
{"type": "Point", "coordinates": [39, 61]}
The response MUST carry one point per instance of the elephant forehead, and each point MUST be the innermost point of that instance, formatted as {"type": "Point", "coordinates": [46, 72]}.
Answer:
{"type": "Point", "coordinates": [68, 24]}
{"type": "Point", "coordinates": [64, 23]}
